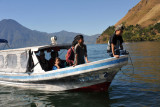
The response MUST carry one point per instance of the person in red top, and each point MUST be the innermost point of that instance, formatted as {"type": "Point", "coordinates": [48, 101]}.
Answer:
{"type": "Point", "coordinates": [70, 54]}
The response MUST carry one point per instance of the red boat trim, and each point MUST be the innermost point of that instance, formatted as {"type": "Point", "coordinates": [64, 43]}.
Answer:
{"type": "Point", "coordinates": [97, 87]}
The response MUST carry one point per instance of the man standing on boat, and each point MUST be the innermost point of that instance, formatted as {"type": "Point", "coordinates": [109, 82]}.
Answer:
{"type": "Point", "coordinates": [80, 51]}
{"type": "Point", "coordinates": [115, 42]}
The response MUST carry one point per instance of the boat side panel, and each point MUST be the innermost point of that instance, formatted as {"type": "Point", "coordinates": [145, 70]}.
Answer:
{"type": "Point", "coordinates": [89, 81]}
{"type": "Point", "coordinates": [64, 72]}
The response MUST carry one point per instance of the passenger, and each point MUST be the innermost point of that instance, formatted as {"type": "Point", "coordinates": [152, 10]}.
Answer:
{"type": "Point", "coordinates": [80, 51]}
{"type": "Point", "coordinates": [70, 54]}
{"type": "Point", "coordinates": [115, 42]}
{"type": "Point", "coordinates": [52, 59]}
{"type": "Point", "coordinates": [44, 63]}
{"type": "Point", "coordinates": [57, 64]}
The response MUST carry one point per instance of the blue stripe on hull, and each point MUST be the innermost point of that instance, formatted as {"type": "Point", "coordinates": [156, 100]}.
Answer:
{"type": "Point", "coordinates": [66, 71]}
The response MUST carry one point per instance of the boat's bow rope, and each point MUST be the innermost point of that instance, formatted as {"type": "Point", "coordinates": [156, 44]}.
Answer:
{"type": "Point", "coordinates": [128, 68]}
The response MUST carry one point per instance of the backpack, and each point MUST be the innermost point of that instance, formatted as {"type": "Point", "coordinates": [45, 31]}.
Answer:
{"type": "Point", "coordinates": [71, 57]}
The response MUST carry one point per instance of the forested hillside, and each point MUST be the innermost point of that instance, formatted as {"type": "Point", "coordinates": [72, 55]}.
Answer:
{"type": "Point", "coordinates": [133, 33]}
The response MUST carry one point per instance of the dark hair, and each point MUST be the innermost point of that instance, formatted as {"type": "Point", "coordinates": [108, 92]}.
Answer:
{"type": "Point", "coordinates": [54, 53]}
{"type": "Point", "coordinates": [74, 42]}
{"type": "Point", "coordinates": [78, 37]}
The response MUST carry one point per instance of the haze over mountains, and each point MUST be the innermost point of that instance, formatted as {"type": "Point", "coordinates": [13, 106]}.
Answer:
{"type": "Point", "coordinates": [145, 13]}
{"type": "Point", "coordinates": [20, 36]}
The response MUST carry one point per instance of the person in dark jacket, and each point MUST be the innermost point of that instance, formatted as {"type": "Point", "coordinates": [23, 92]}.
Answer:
{"type": "Point", "coordinates": [115, 42]}
{"type": "Point", "coordinates": [44, 63]}
{"type": "Point", "coordinates": [80, 51]}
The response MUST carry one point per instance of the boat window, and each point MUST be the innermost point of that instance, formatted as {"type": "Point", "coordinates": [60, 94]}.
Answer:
{"type": "Point", "coordinates": [11, 60]}
{"type": "Point", "coordinates": [62, 54]}
{"type": "Point", "coordinates": [1, 61]}
{"type": "Point", "coordinates": [24, 59]}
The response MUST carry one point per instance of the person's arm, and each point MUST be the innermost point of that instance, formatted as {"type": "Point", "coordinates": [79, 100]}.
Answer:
{"type": "Point", "coordinates": [76, 56]}
{"type": "Point", "coordinates": [112, 45]}
{"type": "Point", "coordinates": [58, 67]}
{"type": "Point", "coordinates": [112, 41]}
{"type": "Point", "coordinates": [86, 58]}
{"type": "Point", "coordinates": [76, 51]}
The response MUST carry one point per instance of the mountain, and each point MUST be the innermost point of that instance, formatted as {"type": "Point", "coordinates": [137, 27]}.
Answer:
{"type": "Point", "coordinates": [20, 36]}
{"type": "Point", "coordinates": [145, 13]}
{"type": "Point", "coordinates": [67, 37]}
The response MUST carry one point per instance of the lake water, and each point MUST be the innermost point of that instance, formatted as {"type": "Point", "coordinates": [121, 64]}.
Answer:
{"type": "Point", "coordinates": [138, 88]}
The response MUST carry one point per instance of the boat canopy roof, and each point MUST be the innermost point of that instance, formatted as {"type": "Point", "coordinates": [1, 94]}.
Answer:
{"type": "Point", "coordinates": [44, 47]}
{"type": "Point", "coordinates": [3, 41]}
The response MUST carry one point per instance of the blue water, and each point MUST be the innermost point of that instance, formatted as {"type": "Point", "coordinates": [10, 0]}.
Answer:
{"type": "Point", "coordinates": [138, 88]}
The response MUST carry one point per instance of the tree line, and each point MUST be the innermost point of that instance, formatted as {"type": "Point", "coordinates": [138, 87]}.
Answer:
{"type": "Point", "coordinates": [134, 33]}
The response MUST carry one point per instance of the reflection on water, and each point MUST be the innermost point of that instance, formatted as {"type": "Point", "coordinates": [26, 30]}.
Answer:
{"type": "Point", "coordinates": [16, 98]}
{"type": "Point", "coordinates": [127, 89]}
{"type": "Point", "coordinates": [146, 61]}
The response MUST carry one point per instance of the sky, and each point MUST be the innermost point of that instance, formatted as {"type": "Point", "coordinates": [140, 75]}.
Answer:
{"type": "Point", "coordinates": [81, 16]}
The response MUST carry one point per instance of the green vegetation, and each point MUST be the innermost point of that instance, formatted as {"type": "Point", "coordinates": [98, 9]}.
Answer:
{"type": "Point", "coordinates": [134, 33]}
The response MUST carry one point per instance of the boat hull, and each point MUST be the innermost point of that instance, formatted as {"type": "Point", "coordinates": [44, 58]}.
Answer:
{"type": "Point", "coordinates": [97, 87]}
{"type": "Point", "coordinates": [95, 76]}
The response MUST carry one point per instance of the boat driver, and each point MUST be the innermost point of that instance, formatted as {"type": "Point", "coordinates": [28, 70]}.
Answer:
{"type": "Point", "coordinates": [115, 42]}
{"type": "Point", "coordinates": [44, 63]}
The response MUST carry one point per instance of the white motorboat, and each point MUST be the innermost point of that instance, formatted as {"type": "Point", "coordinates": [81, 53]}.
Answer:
{"type": "Point", "coordinates": [16, 70]}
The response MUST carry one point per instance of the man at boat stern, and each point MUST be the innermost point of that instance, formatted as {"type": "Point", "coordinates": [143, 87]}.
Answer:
{"type": "Point", "coordinates": [115, 42]}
